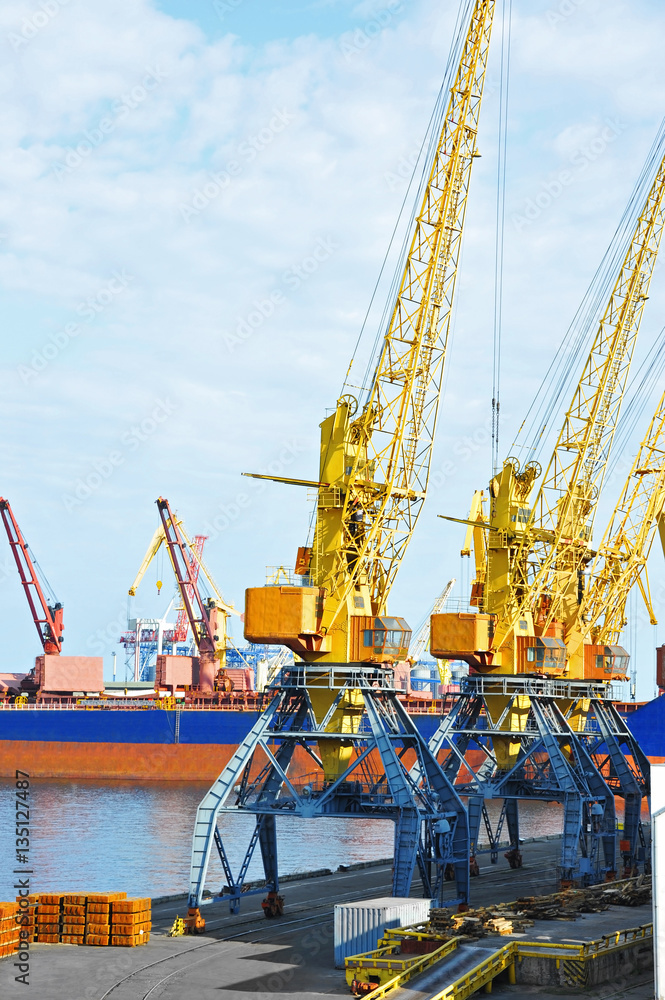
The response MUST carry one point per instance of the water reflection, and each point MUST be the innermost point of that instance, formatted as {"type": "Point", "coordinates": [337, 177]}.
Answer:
{"type": "Point", "coordinates": [136, 836]}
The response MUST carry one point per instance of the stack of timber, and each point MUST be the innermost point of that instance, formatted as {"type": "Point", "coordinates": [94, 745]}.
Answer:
{"type": "Point", "coordinates": [131, 922]}
{"type": "Point", "coordinates": [9, 929]}
{"type": "Point", "coordinates": [98, 922]}
{"type": "Point", "coordinates": [101, 919]}
{"type": "Point", "coordinates": [48, 924]}
{"type": "Point", "coordinates": [515, 917]}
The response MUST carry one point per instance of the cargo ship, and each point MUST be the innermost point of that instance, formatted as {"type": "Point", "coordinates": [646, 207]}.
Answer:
{"type": "Point", "coordinates": [130, 730]}
{"type": "Point", "coordinates": [139, 741]}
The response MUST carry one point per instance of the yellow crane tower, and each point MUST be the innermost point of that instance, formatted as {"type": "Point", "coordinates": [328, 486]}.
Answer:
{"type": "Point", "coordinates": [538, 548]}
{"type": "Point", "coordinates": [375, 460]}
{"type": "Point", "coordinates": [373, 474]}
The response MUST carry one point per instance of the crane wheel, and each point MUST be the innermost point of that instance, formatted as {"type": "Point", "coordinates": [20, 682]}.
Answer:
{"type": "Point", "coordinates": [514, 858]}
{"type": "Point", "coordinates": [273, 905]}
{"type": "Point", "coordinates": [194, 922]}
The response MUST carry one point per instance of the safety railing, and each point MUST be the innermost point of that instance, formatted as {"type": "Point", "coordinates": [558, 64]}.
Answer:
{"type": "Point", "coordinates": [384, 966]}
{"type": "Point", "coordinates": [392, 970]}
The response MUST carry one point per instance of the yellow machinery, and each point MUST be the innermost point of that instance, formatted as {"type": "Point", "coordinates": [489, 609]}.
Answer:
{"type": "Point", "coordinates": [621, 560]}
{"type": "Point", "coordinates": [375, 457]}
{"type": "Point", "coordinates": [540, 642]}
{"type": "Point", "coordinates": [337, 704]}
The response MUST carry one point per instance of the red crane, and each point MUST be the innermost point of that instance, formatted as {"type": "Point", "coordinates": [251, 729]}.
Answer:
{"type": "Point", "coordinates": [47, 617]}
{"type": "Point", "coordinates": [209, 626]}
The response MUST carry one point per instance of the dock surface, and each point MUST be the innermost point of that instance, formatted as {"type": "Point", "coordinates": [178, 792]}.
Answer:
{"type": "Point", "coordinates": [290, 958]}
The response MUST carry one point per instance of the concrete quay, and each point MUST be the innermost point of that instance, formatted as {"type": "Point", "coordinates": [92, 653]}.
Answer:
{"type": "Point", "coordinates": [289, 958]}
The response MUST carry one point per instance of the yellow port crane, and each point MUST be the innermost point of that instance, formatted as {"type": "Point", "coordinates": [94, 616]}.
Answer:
{"type": "Point", "coordinates": [538, 549]}
{"type": "Point", "coordinates": [375, 460]}
{"type": "Point", "coordinates": [373, 475]}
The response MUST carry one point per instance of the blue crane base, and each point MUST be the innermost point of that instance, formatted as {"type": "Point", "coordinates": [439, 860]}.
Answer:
{"type": "Point", "coordinates": [568, 744]}
{"type": "Point", "coordinates": [391, 774]}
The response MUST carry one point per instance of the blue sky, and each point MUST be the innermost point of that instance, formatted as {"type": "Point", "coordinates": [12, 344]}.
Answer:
{"type": "Point", "coordinates": [256, 22]}
{"type": "Point", "coordinates": [134, 257]}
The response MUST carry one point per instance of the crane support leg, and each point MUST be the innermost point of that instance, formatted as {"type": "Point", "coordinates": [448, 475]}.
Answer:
{"type": "Point", "coordinates": [407, 831]}
{"type": "Point", "coordinates": [513, 855]}
{"type": "Point", "coordinates": [616, 748]}
{"type": "Point", "coordinates": [262, 780]}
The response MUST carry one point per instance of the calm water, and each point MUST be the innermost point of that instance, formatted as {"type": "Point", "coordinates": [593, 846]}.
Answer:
{"type": "Point", "coordinates": [136, 836]}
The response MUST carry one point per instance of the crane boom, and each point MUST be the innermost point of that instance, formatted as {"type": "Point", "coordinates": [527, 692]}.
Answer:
{"type": "Point", "coordinates": [554, 545]}
{"type": "Point", "coordinates": [47, 617]}
{"type": "Point", "coordinates": [624, 550]}
{"type": "Point", "coordinates": [375, 459]}
{"type": "Point", "coordinates": [394, 433]}
{"type": "Point", "coordinates": [153, 548]}
{"type": "Point", "coordinates": [182, 621]}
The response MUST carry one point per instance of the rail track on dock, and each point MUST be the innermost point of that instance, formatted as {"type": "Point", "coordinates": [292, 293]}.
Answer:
{"type": "Point", "coordinates": [310, 913]}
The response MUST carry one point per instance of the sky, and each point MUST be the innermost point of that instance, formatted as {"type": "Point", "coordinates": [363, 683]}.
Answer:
{"type": "Point", "coordinates": [195, 202]}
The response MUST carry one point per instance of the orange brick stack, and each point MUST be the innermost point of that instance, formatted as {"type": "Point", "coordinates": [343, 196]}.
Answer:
{"type": "Point", "coordinates": [131, 922]}
{"type": "Point", "coordinates": [47, 923]}
{"type": "Point", "coordinates": [72, 918]}
{"type": "Point", "coordinates": [102, 918]}
{"type": "Point", "coordinates": [9, 929]}
{"type": "Point", "coordinates": [98, 917]}
{"type": "Point", "coordinates": [28, 914]}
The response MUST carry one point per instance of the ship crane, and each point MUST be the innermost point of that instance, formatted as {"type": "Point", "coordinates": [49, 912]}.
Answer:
{"type": "Point", "coordinates": [47, 615]}
{"type": "Point", "coordinates": [555, 547]}
{"type": "Point", "coordinates": [372, 481]}
{"type": "Point", "coordinates": [188, 567]}
{"type": "Point", "coordinates": [207, 619]}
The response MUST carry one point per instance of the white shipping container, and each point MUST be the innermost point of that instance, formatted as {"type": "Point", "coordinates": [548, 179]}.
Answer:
{"type": "Point", "coordinates": [358, 926]}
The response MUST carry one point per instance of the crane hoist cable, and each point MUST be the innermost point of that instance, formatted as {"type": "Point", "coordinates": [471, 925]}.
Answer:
{"type": "Point", "coordinates": [560, 375]}
{"type": "Point", "coordinates": [499, 245]}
